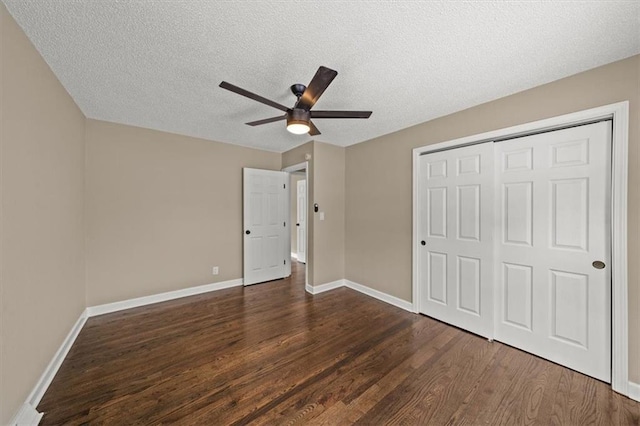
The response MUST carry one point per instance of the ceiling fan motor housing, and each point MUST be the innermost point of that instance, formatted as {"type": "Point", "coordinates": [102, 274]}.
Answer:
{"type": "Point", "coordinates": [298, 116]}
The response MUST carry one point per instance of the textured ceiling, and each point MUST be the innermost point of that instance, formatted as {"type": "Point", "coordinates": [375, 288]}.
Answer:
{"type": "Point", "coordinates": [157, 64]}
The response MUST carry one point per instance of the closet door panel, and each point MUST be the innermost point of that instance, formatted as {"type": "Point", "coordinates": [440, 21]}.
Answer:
{"type": "Point", "coordinates": [553, 223]}
{"type": "Point", "coordinates": [455, 271]}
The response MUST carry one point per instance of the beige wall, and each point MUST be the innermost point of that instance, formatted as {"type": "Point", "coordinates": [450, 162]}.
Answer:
{"type": "Point", "coordinates": [329, 193]}
{"type": "Point", "coordinates": [379, 173]}
{"type": "Point", "coordinates": [290, 158]}
{"type": "Point", "coordinates": [325, 186]}
{"type": "Point", "coordinates": [293, 184]}
{"type": "Point", "coordinates": [42, 225]}
{"type": "Point", "coordinates": [162, 210]}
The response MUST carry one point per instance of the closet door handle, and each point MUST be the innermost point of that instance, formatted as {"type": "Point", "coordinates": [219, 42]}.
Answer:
{"type": "Point", "coordinates": [423, 242]}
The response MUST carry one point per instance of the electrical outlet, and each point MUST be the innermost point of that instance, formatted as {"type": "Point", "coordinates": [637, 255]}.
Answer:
{"type": "Point", "coordinates": [215, 270]}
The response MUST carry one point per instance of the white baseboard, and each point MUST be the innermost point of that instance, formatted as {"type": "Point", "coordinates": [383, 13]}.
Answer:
{"type": "Point", "coordinates": [392, 300]}
{"type": "Point", "coordinates": [27, 416]}
{"type": "Point", "coordinates": [402, 304]}
{"type": "Point", "coordinates": [160, 297]}
{"type": "Point", "coordinates": [634, 391]}
{"type": "Point", "coordinates": [324, 287]}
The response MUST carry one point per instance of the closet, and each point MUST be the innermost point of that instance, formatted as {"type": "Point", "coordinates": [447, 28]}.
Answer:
{"type": "Point", "coordinates": [514, 243]}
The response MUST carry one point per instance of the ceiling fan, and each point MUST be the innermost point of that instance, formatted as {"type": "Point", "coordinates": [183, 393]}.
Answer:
{"type": "Point", "coordinates": [299, 117]}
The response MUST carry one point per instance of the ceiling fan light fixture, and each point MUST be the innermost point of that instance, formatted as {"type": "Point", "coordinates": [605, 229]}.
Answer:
{"type": "Point", "coordinates": [298, 121]}
{"type": "Point", "coordinates": [298, 128]}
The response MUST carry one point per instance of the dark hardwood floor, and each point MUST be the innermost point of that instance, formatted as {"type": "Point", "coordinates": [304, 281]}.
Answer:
{"type": "Point", "coordinates": [273, 354]}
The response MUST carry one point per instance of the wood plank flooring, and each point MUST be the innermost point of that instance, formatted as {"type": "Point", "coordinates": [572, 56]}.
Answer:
{"type": "Point", "coordinates": [273, 354]}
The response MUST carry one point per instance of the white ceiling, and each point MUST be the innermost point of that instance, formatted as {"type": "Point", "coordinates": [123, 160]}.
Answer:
{"type": "Point", "coordinates": [157, 64]}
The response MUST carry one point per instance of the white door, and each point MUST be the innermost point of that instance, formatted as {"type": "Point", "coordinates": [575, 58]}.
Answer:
{"type": "Point", "coordinates": [553, 223]}
{"type": "Point", "coordinates": [301, 223]}
{"type": "Point", "coordinates": [266, 234]}
{"type": "Point", "coordinates": [455, 237]}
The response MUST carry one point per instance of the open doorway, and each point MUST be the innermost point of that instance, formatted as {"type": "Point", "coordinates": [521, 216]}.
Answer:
{"type": "Point", "coordinates": [298, 182]}
{"type": "Point", "coordinates": [298, 214]}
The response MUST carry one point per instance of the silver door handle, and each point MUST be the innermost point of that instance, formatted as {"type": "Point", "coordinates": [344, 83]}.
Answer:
{"type": "Point", "coordinates": [598, 264]}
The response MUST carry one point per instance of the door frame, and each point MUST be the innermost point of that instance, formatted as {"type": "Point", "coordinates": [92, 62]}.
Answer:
{"type": "Point", "coordinates": [619, 113]}
{"type": "Point", "coordinates": [296, 168]}
{"type": "Point", "coordinates": [304, 227]}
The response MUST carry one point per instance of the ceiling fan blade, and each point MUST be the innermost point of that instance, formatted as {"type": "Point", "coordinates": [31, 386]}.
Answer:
{"type": "Point", "coordinates": [267, 120]}
{"type": "Point", "coordinates": [313, 130]}
{"type": "Point", "coordinates": [246, 93]}
{"type": "Point", "coordinates": [340, 114]}
{"type": "Point", "coordinates": [319, 83]}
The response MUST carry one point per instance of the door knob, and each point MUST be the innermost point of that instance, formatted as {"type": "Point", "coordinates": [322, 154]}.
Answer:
{"type": "Point", "coordinates": [423, 242]}
{"type": "Point", "coordinates": [598, 264]}
{"type": "Point", "coordinates": [247, 232]}
{"type": "Point", "coordinates": [297, 224]}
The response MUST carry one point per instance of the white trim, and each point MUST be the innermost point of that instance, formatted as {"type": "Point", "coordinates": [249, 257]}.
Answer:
{"type": "Point", "coordinates": [634, 391]}
{"type": "Point", "coordinates": [619, 279]}
{"type": "Point", "coordinates": [297, 167]}
{"type": "Point", "coordinates": [392, 300]}
{"type": "Point", "coordinates": [27, 410]}
{"type": "Point", "coordinates": [603, 112]}
{"type": "Point", "coordinates": [294, 255]}
{"type": "Point", "coordinates": [287, 223]}
{"type": "Point", "coordinates": [368, 291]}
{"type": "Point", "coordinates": [93, 311]}
{"type": "Point", "coordinates": [415, 279]}
{"type": "Point", "coordinates": [620, 141]}
{"type": "Point", "coordinates": [27, 415]}
{"type": "Point", "coordinates": [324, 287]}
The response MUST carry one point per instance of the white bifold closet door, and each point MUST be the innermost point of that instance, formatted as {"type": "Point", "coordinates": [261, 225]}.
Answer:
{"type": "Point", "coordinates": [516, 240]}
{"type": "Point", "coordinates": [455, 237]}
{"type": "Point", "coordinates": [553, 226]}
